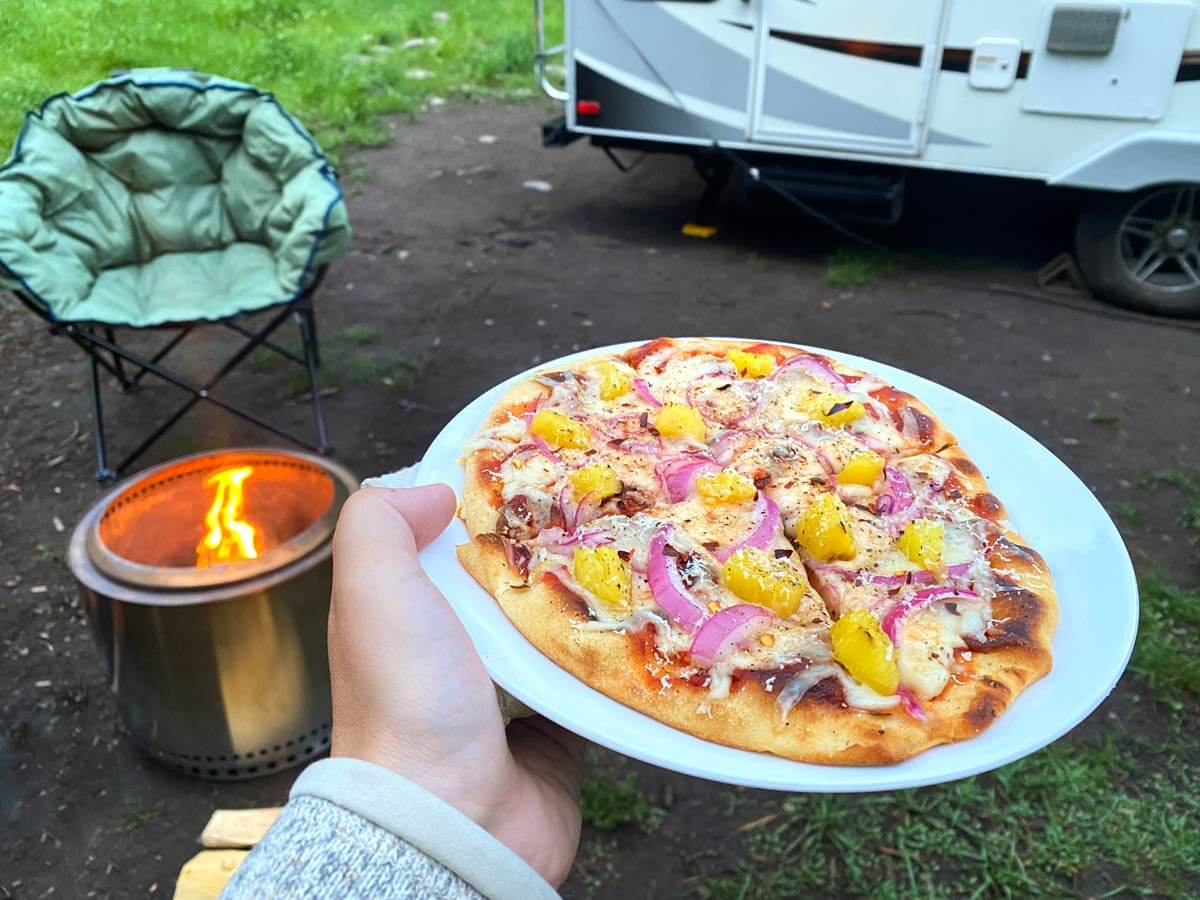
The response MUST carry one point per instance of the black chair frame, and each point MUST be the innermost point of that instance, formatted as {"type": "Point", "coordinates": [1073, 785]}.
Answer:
{"type": "Point", "coordinates": [99, 341]}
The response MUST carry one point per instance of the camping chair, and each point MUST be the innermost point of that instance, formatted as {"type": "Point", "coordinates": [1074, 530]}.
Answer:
{"type": "Point", "coordinates": [166, 199]}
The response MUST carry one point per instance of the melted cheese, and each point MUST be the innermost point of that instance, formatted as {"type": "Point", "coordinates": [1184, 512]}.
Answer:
{"type": "Point", "coordinates": [759, 428]}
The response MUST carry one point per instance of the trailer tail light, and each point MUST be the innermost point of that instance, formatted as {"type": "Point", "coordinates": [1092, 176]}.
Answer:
{"type": "Point", "coordinates": [587, 107]}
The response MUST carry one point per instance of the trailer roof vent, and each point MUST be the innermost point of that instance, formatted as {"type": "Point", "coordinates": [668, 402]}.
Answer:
{"type": "Point", "coordinates": [1088, 29]}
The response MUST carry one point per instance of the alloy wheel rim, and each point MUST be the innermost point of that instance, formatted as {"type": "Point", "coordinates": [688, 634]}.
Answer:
{"type": "Point", "coordinates": [1159, 240]}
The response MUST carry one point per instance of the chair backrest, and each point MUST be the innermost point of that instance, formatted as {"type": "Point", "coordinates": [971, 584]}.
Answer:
{"type": "Point", "coordinates": [156, 161]}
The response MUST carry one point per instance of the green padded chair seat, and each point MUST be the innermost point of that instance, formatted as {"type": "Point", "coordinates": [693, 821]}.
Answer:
{"type": "Point", "coordinates": [162, 196]}
{"type": "Point", "coordinates": [175, 286]}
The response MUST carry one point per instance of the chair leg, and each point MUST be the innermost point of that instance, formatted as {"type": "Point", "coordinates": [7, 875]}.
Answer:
{"type": "Point", "coordinates": [308, 337]}
{"type": "Point", "coordinates": [312, 328]}
{"type": "Point", "coordinates": [104, 474]}
{"type": "Point", "coordinates": [118, 365]}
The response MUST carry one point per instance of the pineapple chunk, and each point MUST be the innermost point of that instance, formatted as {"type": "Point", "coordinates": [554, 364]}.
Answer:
{"type": "Point", "coordinates": [864, 468]}
{"type": "Point", "coordinates": [597, 479]}
{"type": "Point", "coordinates": [922, 542]}
{"type": "Point", "coordinates": [751, 365]}
{"type": "Point", "coordinates": [678, 420]}
{"type": "Point", "coordinates": [602, 572]}
{"type": "Point", "coordinates": [613, 382]}
{"type": "Point", "coordinates": [726, 486]}
{"type": "Point", "coordinates": [831, 408]}
{"type": "Point", "coordinates": [560, 431]}
{"type": "Point", "coordinates": [862, 648]}
{"type": "Point", "coordinates": [823, 529]}
{"type": "Point", "coordinates": [759, 578]}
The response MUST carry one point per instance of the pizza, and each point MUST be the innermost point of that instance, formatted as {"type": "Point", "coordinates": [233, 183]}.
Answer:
{"type": "Point", "coordinates": [758, 545]}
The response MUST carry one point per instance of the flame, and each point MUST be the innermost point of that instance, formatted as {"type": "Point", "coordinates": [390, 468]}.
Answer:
{"type": "Point", "coordinates": [229, 537]}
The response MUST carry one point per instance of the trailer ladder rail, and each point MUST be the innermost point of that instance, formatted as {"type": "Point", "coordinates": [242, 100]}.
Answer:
{"type": "Point", "coordinates": [542, 54]}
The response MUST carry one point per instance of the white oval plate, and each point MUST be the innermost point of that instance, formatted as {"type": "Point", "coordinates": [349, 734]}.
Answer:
{"type": "Point", "coordinates": [1047, 503]}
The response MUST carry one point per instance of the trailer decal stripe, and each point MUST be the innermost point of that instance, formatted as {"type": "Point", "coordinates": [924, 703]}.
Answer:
{"type": "Point", "coordinates": [954, 59]}
{"type": "Point", "coordinates": [1189, 66]}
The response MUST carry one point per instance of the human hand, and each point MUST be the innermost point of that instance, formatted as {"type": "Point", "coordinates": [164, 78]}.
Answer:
{"type": "Point", "coordinates": [411, 694]}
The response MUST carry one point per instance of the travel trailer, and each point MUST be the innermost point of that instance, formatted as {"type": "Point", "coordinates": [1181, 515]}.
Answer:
{"type": "Point", "coordinates": [1102, 97]}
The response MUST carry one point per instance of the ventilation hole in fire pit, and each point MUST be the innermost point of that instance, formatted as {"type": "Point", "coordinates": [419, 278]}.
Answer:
{"type": "Point", "coordinates": [252, 762]}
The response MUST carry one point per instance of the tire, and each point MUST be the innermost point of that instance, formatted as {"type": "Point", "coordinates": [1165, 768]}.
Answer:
{"type": "Point", "coordinates": [1154, 232]}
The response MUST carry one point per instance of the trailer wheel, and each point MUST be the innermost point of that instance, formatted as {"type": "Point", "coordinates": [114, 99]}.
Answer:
{"type": "Point", "coordinates": [1142, 250]}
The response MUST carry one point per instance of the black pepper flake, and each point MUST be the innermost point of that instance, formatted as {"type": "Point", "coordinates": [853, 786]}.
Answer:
{"type": "Point", "coordinates": [644, 419]}
{"type": "Point", "coordinates": [781, 553]}
{"type": "Point", "coordinates": [616, 442]}
{"type": "Point", "coordinates": [817, 479]}
{"type": "Point", "coordinates": [591, 452]}
{"type": "Point", "coordinates": [710, 545]}
{"type": "Point", "coordinates": [726, 386]}
{"type": "Point", "coordinates": [624, 554]}
{"type": "Point", "coordinates": [652, 430]}
{"type": "Point", "coordinates": [839, 407]}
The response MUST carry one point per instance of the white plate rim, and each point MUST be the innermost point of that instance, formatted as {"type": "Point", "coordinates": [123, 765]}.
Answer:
{"type": "Point", "coordinates": [748, 766]}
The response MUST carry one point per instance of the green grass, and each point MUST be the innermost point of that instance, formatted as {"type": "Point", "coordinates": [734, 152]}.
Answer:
{"type": "Point", "coordinates": [854, 267]}
{"type": "Point", "coordinates": [609, 803]}
{"type": "Point", "coordinates": [336, 66]}
{"type": "Point", "coordinates": [138, 816]}
{"type": "Point", "coordinates": [1029, 829]}
{"type": "Point", "coordinates": [1128, 511]}
{"type": "Point", "coordinates": [360, 333]}
{"type": "Point", "coordinates": [1168, 646]}
{"type": "Point", "coordinates": [1187, 484]}
{"type": "Point", "coordinates": [347, 356]}
{"type": "Point", "coordinates": [1103, 417]}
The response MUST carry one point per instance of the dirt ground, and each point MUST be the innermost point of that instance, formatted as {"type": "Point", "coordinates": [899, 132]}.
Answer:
{"type": "Point", "coordinates": [469, 276]}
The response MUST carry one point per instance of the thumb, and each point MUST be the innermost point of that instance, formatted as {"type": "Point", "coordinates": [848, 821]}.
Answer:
{"type": "Point", "coordinates": [379, 522]}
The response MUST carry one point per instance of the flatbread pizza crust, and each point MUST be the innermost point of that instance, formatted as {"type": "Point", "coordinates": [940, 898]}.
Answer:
{"type": "Point", "coordinates": [821, 728]}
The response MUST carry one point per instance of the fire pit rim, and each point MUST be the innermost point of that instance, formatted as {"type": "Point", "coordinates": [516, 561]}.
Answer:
{"type": "Point", "coordinates": [308, 548]}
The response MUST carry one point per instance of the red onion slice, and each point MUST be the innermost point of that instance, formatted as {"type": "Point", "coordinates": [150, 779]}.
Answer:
{"type": "Point", "coordinates": [576, 514]}
{"type": "Point", "coordinates": [725, 447]}
{"type": "Point", "coordinates": [677, 476]}
{"type": "Point", "coordinates": [920, 576]}
{"type": "Point", "coordinates": [544, 449]}
{"type": "Point", "coordinates": [823, 458]}
{"type": "Point", "coordinates": [767, 523]}
{"type": "Point", "coordinates": [737, 419]}
{"type": "Point", "coordinates": [666, 584]}
{"type": "Point", "coordinates": [916, 601]}
{"type": "Point", "coordinates": [910, 705]}
{"type": "Point", "coordinates": [558, 542]}
{"type": "Point", "coordinates": [643, 391]}
{"type": "Point", "coordinates": [958, 570]}
{"type": "Point", "coordinates": [917, 576]}
{"type": "Point", "coordinates": [897, 486]}
{"type": "Point", "coordinates": [727, 631]}
{"type": "Point", "coordinates": [816, 367]}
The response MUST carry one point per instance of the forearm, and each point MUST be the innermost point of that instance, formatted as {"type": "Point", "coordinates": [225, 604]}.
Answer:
{"type": "Point", "coordinates": [355, 830]}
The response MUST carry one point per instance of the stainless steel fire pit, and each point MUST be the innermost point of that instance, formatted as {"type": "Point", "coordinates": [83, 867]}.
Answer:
{"type": "Point", "coordinates": [208, 594]}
